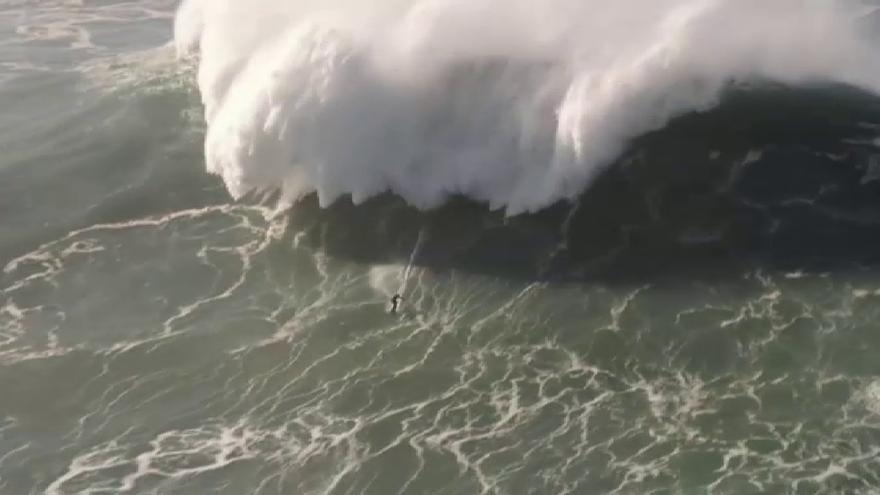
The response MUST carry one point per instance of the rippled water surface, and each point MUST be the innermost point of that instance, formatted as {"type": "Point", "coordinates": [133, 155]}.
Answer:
{"type": "Point", "coordinates": [704, 319]}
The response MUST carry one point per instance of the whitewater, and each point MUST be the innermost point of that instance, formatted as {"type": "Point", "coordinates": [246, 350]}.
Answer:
{"type": "Point", "coordinates": [515, 103]}
{"type": "Point", "coordinates": [694, 309]}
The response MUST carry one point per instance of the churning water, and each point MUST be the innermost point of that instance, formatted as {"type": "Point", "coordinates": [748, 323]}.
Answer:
{"type": "Point", "coordinates": [638, 244]}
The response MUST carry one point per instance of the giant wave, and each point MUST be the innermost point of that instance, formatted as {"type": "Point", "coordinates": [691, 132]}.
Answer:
{"type": "Point", "coordinates": [517, 103]}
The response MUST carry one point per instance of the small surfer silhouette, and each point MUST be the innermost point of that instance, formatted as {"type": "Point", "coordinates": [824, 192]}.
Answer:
{"type": "Point", "coordinates": [395, 303]}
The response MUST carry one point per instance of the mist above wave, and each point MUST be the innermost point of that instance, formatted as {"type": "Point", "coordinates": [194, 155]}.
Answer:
{"type": "Point", "coordinates": [518, 103]}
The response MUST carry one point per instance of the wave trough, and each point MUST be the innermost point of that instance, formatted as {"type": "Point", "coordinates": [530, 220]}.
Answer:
{"type": "Point", "coordinates": [513, 102]}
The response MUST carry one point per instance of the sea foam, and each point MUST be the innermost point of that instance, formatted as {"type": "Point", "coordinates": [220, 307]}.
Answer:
{"type": "Point", "coordinates": [518, 103]}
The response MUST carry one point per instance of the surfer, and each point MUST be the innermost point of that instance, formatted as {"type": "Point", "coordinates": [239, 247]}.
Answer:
{"type": "Point", "coordinates": [395, 303]}
{"type": "Point", "coordinates": [397, 299]}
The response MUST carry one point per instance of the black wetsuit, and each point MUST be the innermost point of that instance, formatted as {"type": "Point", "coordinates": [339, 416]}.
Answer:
{"type": "Point", "coordinates": [395, 303]}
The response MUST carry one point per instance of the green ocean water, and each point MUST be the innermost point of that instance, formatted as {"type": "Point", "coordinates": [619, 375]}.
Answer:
{"type": "Point", "coordinates": [704, 319]}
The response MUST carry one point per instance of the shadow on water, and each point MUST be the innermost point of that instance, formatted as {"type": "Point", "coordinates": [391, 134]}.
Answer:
{"type": "Point", "coordinates": [773, 179]}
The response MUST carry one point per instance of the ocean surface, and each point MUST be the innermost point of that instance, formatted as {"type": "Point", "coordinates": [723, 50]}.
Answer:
{"type": "Point", "coordinates": [652, 269]}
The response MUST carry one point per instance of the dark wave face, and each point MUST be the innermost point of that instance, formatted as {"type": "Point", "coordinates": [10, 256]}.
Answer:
{"type": "Point", "coordinates": [775, 178]}
{"type": "Point", "coordinates": [696, 314]}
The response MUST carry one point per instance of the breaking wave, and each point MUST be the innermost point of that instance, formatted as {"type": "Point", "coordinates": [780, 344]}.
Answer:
{"type": "Point", "coordinates": [513, 102]}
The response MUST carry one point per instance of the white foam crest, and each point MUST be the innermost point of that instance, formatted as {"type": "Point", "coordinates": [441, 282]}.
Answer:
{"type": "Point", "coordinates": [514, 102]}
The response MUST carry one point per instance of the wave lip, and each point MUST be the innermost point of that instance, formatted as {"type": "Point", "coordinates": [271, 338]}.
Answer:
{"type": "Point", "coordinates": [510, 102]}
